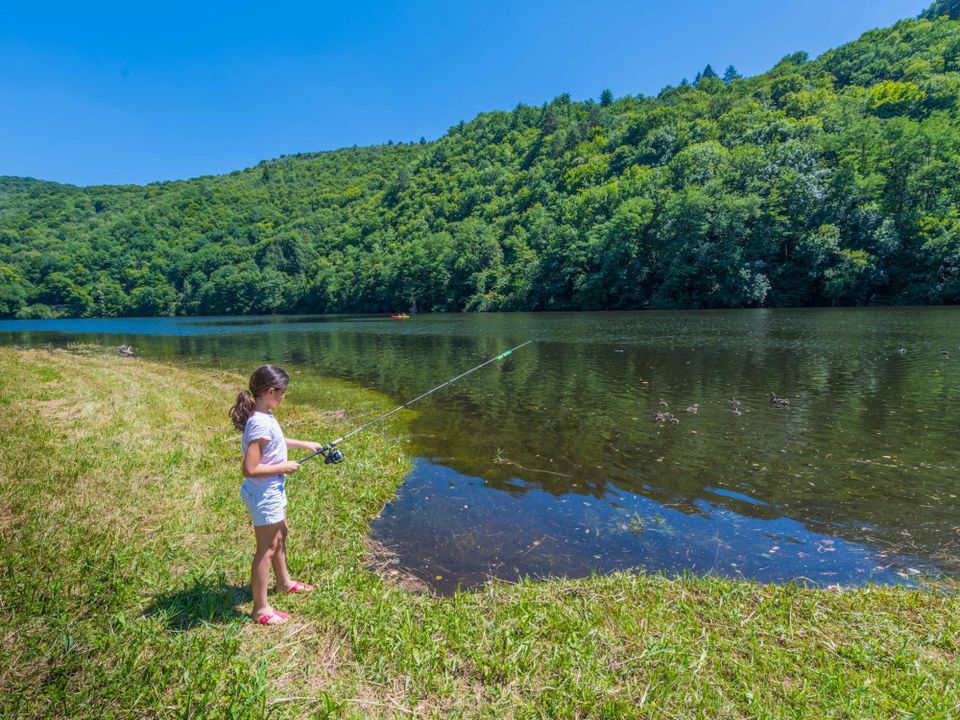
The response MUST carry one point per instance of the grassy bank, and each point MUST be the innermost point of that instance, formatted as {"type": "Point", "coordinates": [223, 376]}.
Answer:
{"type": "Point", "coordinates": [124, 588]}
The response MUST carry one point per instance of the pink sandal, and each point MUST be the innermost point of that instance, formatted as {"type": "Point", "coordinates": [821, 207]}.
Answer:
{"type": "Point", "coordinates": [299, 587]}
{"type": "Point", "coordinates": [274, 617]}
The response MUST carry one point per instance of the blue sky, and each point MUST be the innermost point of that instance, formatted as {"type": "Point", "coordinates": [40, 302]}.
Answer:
{"type": "Point", "coordinates": [136, 92]}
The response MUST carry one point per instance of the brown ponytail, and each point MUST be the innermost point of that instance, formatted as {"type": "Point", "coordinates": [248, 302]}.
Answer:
{"type": "Point", "coordinates": [262, 379]}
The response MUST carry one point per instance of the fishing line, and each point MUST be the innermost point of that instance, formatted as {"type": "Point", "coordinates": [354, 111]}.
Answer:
{"type": "Point", "coordinates": [332, 456]}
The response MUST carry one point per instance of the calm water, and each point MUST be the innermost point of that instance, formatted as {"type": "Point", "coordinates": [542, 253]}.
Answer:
{"type": "Point", "coordinates": [552, 462]}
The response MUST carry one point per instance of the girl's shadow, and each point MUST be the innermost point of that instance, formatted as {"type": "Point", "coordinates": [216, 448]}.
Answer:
{"type": "Point", "coordinates": [207, 601]}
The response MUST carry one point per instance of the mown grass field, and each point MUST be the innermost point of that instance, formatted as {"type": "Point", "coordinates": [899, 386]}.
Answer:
{"type": "Point", "coordinates": [124, 587]}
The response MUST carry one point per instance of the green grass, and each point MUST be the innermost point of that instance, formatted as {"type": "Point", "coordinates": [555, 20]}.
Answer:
{"type": "Point", "coordinates": [124, 588]}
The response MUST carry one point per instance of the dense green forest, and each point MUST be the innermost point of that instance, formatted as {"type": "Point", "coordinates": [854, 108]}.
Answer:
{"type": "Point", "coordinates": [826, 181]}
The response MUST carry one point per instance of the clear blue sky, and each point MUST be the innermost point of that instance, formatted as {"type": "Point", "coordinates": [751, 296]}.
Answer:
{"type": "Point", "coordinates": [106, 92]}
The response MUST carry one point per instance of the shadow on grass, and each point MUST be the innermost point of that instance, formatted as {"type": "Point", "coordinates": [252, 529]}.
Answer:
{"type": "Point", "coordinates": [206, 601]}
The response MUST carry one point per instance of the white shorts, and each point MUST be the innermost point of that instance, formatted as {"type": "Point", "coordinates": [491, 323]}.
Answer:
{"type": "Point", "coordinates": [266, 504]}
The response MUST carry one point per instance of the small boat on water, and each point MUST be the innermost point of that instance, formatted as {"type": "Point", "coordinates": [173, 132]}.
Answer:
{"type": "Point", "coordinates": [401, 316]}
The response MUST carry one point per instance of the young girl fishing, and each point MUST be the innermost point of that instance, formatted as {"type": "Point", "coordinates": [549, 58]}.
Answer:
{"type": "Point", "coordinates": [265, 466]}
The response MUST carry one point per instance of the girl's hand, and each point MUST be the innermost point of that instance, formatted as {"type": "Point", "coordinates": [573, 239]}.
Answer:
{"type": "Point", "coordinates": [312, 446]}
{"type": "Point", "coordinates": [285, 468]}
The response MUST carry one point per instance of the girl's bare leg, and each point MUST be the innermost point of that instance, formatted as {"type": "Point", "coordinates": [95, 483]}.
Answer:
{"type": "Point", "coordinates": [269, 539]}
{"type": "Point", "coordinates": [280, 570]}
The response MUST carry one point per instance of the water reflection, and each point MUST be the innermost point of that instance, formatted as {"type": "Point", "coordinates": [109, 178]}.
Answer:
{"type": "Point", "coordinates": [462, 534]}
{"type": "Point", "coordinates": [864, 455]}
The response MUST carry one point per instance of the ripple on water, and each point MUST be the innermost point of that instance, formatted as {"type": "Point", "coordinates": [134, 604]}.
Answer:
{"type": "Point", "coordinates": [566, 470]}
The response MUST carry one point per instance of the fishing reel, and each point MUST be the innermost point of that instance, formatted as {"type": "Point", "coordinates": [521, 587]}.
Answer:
{"type": "Point", "coordinates": [332, 456]}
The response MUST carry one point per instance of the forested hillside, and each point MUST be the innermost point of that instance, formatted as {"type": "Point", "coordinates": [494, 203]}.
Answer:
{"type": "Point", "coordinates": [826, 181]}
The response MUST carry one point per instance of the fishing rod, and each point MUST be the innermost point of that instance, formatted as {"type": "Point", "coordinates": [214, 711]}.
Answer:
{"type": "Point", "coordinates": [332, 456]}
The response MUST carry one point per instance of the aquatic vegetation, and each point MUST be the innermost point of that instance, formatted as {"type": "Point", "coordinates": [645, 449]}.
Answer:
{"type": "Point", "coordinates": [658, 523]}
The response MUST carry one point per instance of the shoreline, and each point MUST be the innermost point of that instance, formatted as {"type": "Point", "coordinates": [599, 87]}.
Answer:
{"type": "Point", "coordinates": [118, 489]}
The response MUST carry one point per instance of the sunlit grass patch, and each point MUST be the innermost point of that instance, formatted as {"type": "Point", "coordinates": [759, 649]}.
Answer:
{"type": "Point", "coordinates": [124, 584]}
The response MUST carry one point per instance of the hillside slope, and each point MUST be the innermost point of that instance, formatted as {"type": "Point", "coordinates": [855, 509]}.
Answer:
{"type": "Point", "coordinates": [826, 181]}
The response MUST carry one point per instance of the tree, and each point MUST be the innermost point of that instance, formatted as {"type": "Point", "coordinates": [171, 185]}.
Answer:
{"type": "Point", "coordinates": [108, 297]}
{"type": "Point", "coordinates": [13, 294]}
{"type": "Point", "coordinates": [889, 98]}
{"type": "Point", "coordinates": [731, 74]}
{"type": "Point", "coordinates": [606, 98]}
{"type": "Point", "coordinates": [152, 299]}
{"type": "Point", "coordinates": [707, 72]}
{"type": "Point", "coordinates": [785, 85]}
{"type": "Point", "coordinates": [948, 8]}
{"type": "Point", "coordinates": [37, 311]}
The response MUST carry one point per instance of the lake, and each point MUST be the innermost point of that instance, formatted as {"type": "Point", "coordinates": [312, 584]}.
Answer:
{"type": "Point", "coordinates": [554, 461]}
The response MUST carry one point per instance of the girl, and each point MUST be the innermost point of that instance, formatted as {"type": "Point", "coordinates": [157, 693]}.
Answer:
{"type": "Point", "coordinates": [264, 466]}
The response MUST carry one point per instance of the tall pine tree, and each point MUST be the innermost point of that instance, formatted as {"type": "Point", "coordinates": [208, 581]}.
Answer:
{"type": "Point", "coordinates": [731, 74]}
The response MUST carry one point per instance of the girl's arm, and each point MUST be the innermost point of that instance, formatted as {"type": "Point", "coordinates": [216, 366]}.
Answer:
{"type": "Point", "coordinates": [303, 445]}
{"type": "Point", "coordinates": [253, 468]}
